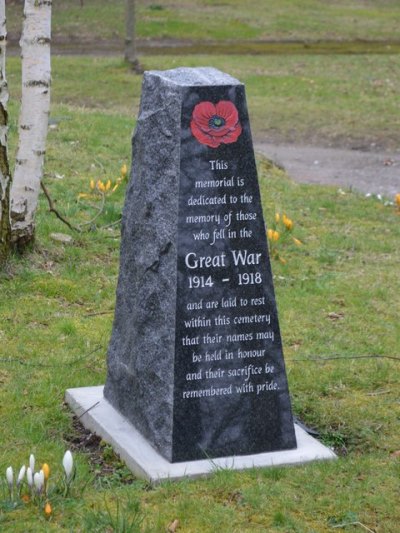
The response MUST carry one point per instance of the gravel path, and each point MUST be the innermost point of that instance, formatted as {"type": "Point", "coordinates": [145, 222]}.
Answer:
{"type": "Point", "coordinates": [367, 172]}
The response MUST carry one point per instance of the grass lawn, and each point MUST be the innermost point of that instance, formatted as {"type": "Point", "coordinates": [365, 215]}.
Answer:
{"type": "Point", "coordinates": [226, 19]}
{"type": "Point", "coordinates": [338, 298]}
{"type": "Point", "coordinates": [337, 100]}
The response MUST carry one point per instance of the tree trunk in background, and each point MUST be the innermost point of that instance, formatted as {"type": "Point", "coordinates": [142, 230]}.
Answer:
{"type": "Point", "coordinates": [130, 40]}
{"type": "Point", "coordinates": [5, 178]}
{"type": "Point", "coordinates": [33, 120]}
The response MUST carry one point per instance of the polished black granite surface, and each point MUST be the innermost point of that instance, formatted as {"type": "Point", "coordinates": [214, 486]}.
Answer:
{"type": "Point", "coordinates": [195, 361]}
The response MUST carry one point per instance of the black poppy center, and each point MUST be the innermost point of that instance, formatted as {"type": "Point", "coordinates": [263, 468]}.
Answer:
{"type": "Point", "coordinates": [216, 122]}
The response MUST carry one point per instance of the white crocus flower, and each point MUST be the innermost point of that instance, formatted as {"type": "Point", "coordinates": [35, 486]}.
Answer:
{"type": "Point", "coordinates": [38, 480]}
{"type": "Point", "coordinates": [68, 464]}
{"type": "Point", "coordinates": [10, 477]}
{"type": "Point", "coordinates": [21, 475]}
{"type": "Point", "coordinates": [32, 463]}
{"type": "Point", "coordinates": [29, 476]}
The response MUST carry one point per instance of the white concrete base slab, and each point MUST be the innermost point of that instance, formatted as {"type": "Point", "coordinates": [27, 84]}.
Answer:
{"type": "Point", "coordinates": [99, 416]}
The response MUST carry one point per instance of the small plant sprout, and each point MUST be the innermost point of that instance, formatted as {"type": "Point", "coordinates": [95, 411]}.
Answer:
{"type": "Point", "coordinates": [68, 464]}
{"type": "Point", "coordinates": [29, 477]}
{"type": "Point", "coordinates": [397, 201]}
{"type": "Point", "coordinates": [10, 480]}
{"type": "Point", "coordinates": [273, 235]}
{"type": "Point", "coordinates": [106, 187]}
{"type": "Point", "coordinates": [47, 510]}
{"type": "Point", "coordinates": [32, 463]}
{"type": "Point", "coordinates": [38, 484]}
{"type": "Point", "coordinates": [281, 231]}
{"type": "Point", "coordinates": [38, 481]}
{"type": "Point", "coordinates": [46, 472]}
{"type": "Point", "coordinates": [287, 222]}
{"type": "Point", "coordinates": [103, 186]}
{"type": "Point", "coordinates": [20, 478]}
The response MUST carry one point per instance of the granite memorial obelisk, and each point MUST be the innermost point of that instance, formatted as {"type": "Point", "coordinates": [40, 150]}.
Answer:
{"type": "Point", "coordinates": [195, 361]}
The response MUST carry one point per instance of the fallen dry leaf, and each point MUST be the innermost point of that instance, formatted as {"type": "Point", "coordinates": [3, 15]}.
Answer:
{"type": "Point", "coordinates": [335, 316]}
{"type": "Point", "coordinates": [296, 346]}
{"type": "Point", "coordinates": [173, 526]}
{"type": "Point", "coordinates": [395, 454]}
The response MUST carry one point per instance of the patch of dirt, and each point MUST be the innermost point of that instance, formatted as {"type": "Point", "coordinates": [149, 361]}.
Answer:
{"type": "Point", "coordinates": [83, 439]}
{"type": "Point", "coordinates": [102, 460]}
{"type": "Point", "coordinates": [374, 172]}
{"type": "Point", "coordinates": [90, 44]}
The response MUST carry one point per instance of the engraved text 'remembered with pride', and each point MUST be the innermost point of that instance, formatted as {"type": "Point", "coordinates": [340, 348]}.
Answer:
{"type": "Point", "coordinates": [230, 387]}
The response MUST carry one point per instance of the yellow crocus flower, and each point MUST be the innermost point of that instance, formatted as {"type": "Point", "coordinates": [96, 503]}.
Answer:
{"type": "Point", "coordinates": [108, 185]}
{"type": "Point", "coordinates": [277, 217]}
{"type": "Point", "coordinates": [397, 199]}
{"type": "Point", "coordinates": [48, 510]}
{"type": "Point", "coordinates": [124, 170]}
{"type": "Point", "coordinates": [297, 242]}
{"type": "Point", "coordinates": [287, 222]}
{"type": "Point", "coordinates": [101, 186]}
{"type": "Point", "coordinates": [46, 471]}
{"type": "Point", "coordinates": [92, 185]}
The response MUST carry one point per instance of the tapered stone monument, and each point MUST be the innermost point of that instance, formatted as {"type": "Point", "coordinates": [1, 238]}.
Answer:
{"type": "Point", "coordinates": [195, 363]}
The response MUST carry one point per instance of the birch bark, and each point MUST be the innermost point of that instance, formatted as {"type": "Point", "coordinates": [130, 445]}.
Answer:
{"type": "Point", "coordinates": [33, 119]}
{"type": "Point", "coordinates": [5, 178]}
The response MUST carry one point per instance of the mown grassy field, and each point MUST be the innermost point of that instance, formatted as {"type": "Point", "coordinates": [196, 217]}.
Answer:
{"type": "Point", "coordinates": [226, 19]}
{"type": "Point", "coordinates": [337, 296]}
{"type": "Point", "coordinates": [337, 293]}
{"type": "Point", "coordinates": [340, 100]}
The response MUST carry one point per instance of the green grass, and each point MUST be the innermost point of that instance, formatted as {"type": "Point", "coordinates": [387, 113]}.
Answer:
{"type": "Point", "coordinates": [226, 19]}
{"type": "Point", "coordinates": [51, 329]}
{"type": "Point", "coordinates": [339, 100]}
{"type": "Point", "coordinates": [56, 315]}
{"type": "Point", "coordinates": [335, 100]}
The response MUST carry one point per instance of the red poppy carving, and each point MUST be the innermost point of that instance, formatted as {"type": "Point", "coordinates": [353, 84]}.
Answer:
{"type": "Point", "coordinates": [215, 124]}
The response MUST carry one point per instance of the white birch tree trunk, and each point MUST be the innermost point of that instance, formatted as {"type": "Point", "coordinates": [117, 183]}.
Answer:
{"type": "Point", "coordinates": [5, 178]}
{"type": "Point", "coordinates": [33, 119]}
